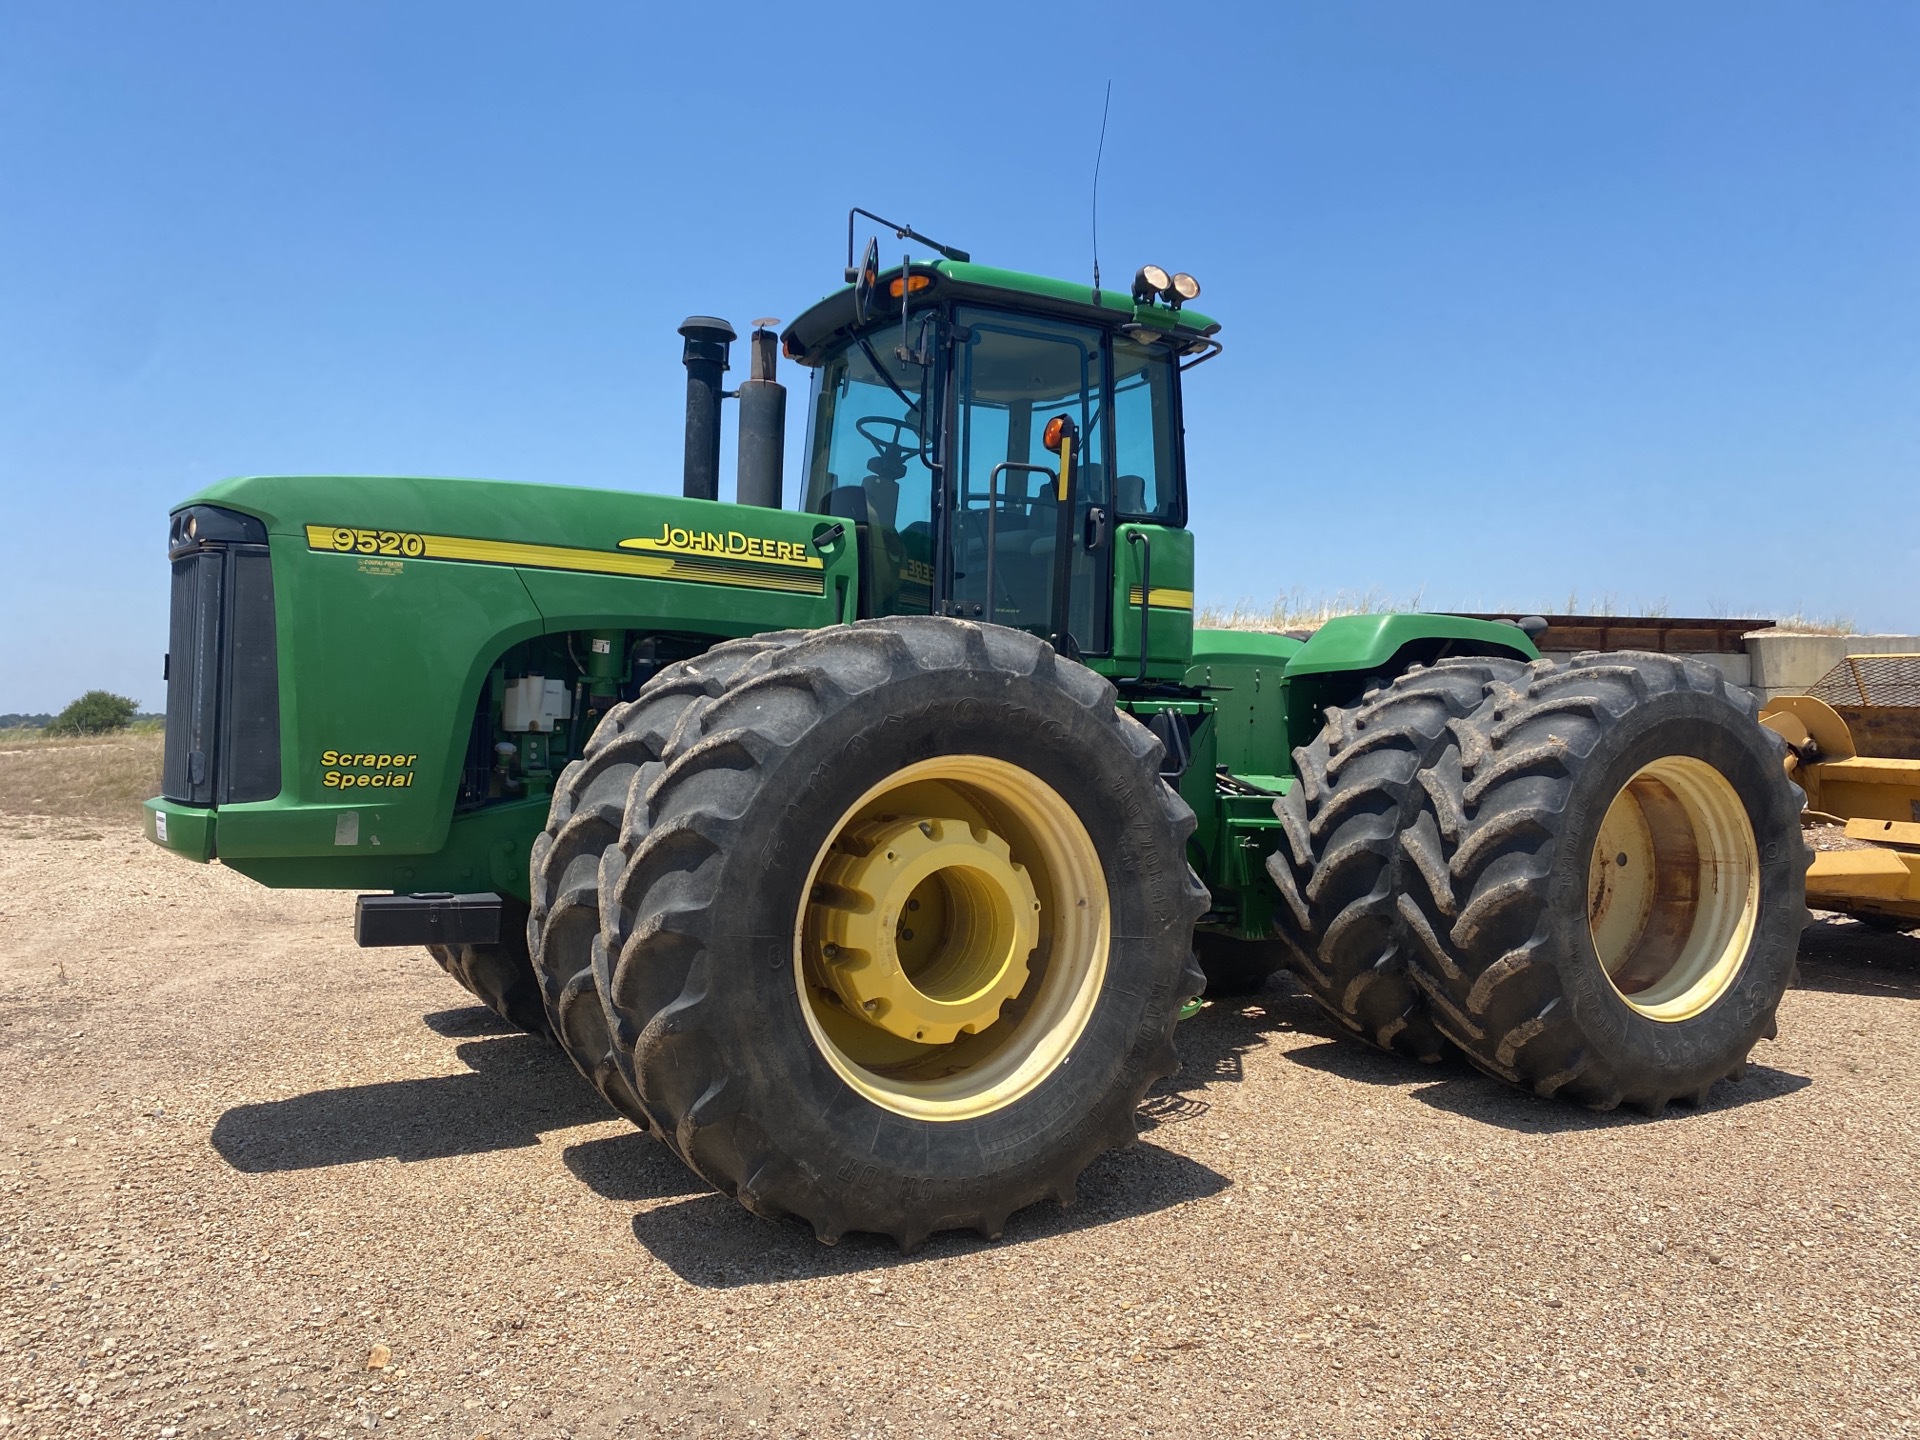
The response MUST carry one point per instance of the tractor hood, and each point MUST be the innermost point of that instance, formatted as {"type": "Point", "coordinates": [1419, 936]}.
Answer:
{"type": "Point", "coordinates": [540, 527]}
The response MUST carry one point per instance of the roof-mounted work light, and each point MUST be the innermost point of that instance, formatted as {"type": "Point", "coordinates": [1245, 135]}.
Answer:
{"type": "Point", "coordinates": [1149, 281]}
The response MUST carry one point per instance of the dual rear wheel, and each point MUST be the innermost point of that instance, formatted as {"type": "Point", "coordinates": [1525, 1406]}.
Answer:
{"type": "Point", "coordinates": [1588, 878]}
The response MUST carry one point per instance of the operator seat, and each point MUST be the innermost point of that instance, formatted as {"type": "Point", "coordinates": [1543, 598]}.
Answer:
{"type": "Point", "coordinates": [875, 504]}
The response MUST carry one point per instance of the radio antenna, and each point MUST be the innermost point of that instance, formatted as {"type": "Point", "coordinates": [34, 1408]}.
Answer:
{"type": "Point", "coordinates": [1097, 154]}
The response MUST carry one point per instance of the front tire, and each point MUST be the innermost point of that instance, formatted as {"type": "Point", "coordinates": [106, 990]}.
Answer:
{"type": "Point", "coordinates": [564, 924]}
{"type": "Point", "coordinates": [500, 976]}
{"type": "Point", "coordinates": [788, 1029]}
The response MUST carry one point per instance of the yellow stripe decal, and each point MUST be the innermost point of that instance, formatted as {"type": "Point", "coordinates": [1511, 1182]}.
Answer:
{"type": "Point", "coordinates": [1162, 599]}
{"type": "Point", "coordinates": [795, 577]}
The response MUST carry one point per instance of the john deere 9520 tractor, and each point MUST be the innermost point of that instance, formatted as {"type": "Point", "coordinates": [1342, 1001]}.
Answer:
{"type": "Point", "coordinates": [867, 853]}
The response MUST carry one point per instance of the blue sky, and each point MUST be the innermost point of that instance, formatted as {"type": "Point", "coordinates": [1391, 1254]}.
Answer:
{"type": "Point", "coordinates": [1520, 301]}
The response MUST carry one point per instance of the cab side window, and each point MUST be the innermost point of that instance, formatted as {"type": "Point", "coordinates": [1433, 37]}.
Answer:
{"type": "Point", "coordinates": [1144, 486]}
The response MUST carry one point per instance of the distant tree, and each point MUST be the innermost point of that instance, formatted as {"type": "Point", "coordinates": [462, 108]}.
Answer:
{"type": "Point", "coordinates": [95, 713]}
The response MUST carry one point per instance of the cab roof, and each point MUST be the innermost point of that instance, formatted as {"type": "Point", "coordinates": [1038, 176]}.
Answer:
{"type": "Point", "coordinates": [817, 332]}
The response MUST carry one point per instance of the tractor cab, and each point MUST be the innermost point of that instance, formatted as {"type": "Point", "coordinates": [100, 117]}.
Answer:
{"type": "Point", "coordinates": [1008, 447]}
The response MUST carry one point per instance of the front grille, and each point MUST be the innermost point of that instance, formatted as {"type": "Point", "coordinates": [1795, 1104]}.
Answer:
{"type": "Point", "coordinates": [193, 677]}
{"type": "Point", "coordinates": [223, 676]}
{"type": "Point", "coordinates": [250, 722]}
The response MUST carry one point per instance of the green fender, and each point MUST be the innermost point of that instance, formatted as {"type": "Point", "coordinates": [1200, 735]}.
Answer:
{"type": "Point", "coordinates": [1335, 664]}
{"type": "Point", "coordinates": [1268, 695]}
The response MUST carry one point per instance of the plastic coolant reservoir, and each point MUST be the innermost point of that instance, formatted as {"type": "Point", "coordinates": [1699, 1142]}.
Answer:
{"type": "Point", "coordinates": [535, 703]}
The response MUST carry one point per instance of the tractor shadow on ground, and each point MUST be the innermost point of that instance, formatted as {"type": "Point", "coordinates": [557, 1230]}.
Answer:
{"type": "Point", "coordinates": [1473, 1096]}
{"type": "Point", "coordinates": [1215, 1043]}
{"type": "Point", "coordinates": [466, 1021]}
{"type": "Point", "coordinates": [711, 1242]}
{"type": "Point", "coordinates": [1456, 1087]}
{"type": "Point", "coordinates": [515, 1089]}
{"type": "Point", "coordinates": [1842, 956]}
{"type": "Point", "coordinates": [630, 1167]}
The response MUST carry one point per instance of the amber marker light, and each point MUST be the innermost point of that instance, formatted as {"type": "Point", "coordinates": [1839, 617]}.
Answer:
{"type": "Point", "coordinates": [911, 284]}
{"type": "Point", "coordinates": [1059, 431]}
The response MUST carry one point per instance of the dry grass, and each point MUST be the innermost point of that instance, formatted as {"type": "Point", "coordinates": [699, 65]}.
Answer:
{"type": "Point", "coordinates": [1295, 610]}
{"type": "Point", "coordinates": [1802, 624]}
{"type": "Point", "coordinates": [101, 778]}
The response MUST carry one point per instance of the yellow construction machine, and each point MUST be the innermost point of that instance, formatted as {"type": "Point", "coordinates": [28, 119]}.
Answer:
{"type": "Point", "coordinates": [1871, 704]}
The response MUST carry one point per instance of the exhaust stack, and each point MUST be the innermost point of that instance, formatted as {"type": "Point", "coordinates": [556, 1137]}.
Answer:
{"type": "Point", "coordinates": [763, 423]}
{"type": "Point", "coordinates": [705, 357]}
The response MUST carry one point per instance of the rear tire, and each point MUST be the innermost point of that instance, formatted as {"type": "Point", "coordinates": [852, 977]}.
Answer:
{"type": "Point", "coordinates": [1612, 881]}
{"type": "Point", "coordinates": [802, 766]}
{"type": "Point", "coordinates": [500, 976]}
{"type": "Point", "coordinates": [1341, 866]}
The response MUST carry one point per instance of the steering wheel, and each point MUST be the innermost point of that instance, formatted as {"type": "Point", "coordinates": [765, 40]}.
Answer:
{"type": "Point", "coordinates": [890, 453]}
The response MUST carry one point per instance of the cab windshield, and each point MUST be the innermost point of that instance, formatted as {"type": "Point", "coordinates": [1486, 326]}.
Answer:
{"type": "Point", "coordinates": [943, 464]}
{"type": "Point", "coordinates": [869, 448]}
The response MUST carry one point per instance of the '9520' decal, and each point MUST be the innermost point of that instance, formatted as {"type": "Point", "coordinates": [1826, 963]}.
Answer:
{"type": "Point", "coordinates": [366, 542]}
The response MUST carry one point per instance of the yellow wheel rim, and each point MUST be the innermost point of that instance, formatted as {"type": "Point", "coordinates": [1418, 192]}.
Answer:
{"type": "Point", "coordinates": [953, 938]}
{"type": "Point", "coordinates": [1673, 888]}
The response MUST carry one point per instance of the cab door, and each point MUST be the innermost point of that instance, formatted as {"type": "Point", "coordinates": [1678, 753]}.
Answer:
{"type": "Point", "coordinates": [1012, 373]}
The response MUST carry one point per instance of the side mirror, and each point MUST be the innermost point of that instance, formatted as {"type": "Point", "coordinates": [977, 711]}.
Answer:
{"type": "Point", "coordinates": [866, 282]}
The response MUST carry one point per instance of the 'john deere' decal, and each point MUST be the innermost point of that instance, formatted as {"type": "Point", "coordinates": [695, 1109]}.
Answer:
{"type": "Point", "coordinates": [730, 544]}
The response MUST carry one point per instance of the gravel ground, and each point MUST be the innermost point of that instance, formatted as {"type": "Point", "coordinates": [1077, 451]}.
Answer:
{"type": "Point", "coordinates": [256, 1181]}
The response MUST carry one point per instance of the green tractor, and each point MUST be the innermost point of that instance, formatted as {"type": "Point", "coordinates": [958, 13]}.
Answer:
{"type": "Point", "coordinates": [868, 853]}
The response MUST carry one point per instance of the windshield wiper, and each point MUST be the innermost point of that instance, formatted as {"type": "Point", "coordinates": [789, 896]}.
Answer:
{"type": "Point", "coordinates": [882, 371]}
